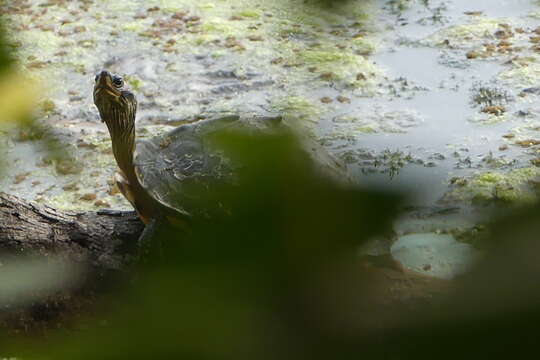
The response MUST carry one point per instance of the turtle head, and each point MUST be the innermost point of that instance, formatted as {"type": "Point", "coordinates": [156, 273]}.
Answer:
{"type": "Point", "coordinates": [117, 107]}
{"type": "Point", "coordinates": [113, 99]}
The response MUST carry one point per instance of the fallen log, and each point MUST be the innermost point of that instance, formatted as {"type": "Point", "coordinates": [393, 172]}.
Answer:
{"type": "Point", "coordinates": [104, 239]}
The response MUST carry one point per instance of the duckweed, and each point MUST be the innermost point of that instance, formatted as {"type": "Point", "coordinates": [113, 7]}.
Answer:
{"type": "Point", "coordinates": [466, 36]}
{"type": "Point", "coordinates": [135, 26]}
{"type": "Point", "coordinates": [207, 6]}
{"type": "Point", "coordinates": [222, 27]}
{"type": "Point", "coordinates": [297, 107]}
{"type": "Point", "coordinates": [249, 13]}
{"type": "Point", "coordinates": [48, 106]}
{"type": "Point", "coordinates": [319, 56]}
{"type": "Point", "coordinates": [523, 75]}
{"type": "Point", "coordinates": [510, 187]}
{"type": "Point", "coordinates": [134, 82]}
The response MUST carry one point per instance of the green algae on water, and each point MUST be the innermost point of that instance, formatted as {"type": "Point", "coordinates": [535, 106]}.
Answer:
{"type": "Point", "coordinates": [512, 187]}
{"type": "Point", "coordinates": [297, 107]}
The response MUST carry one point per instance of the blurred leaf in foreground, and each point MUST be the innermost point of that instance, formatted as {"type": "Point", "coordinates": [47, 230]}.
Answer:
{"type": "Point", "coordinates": [6, 56]}
{"type": "Point", "coordinates": [22, 281]}
{"type": "Point", "coordinates": [18, 95]}
{"type": "Point", "coordinates": [274, 278]}
{"type": "Point", "coordinates": [20, 116]}
{"type": "Point", "coordinates": [18, 98]}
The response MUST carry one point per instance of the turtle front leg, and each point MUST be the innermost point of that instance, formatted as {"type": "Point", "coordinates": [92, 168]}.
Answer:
{"type": "Point", "coordinates": [125, 187]}
{"type": "Point", "coordinates": [150, 246]}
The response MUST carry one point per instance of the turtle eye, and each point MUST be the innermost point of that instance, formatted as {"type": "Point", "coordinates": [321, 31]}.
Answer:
{"type": "Point", "coordinates": [96, 78]}
{"type": "Point", "coordinates": [118, 81]}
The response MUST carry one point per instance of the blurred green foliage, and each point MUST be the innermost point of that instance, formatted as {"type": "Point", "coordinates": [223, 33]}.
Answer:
{"type": "Point", "coordinates": [249, 283]}
{"type": "Point", "coordinates": [277, 277]}
{"type": "Point", "coordinates": [6, 57]}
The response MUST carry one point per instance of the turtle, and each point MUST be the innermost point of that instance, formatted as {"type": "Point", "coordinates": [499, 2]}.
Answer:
{"type": "Point", "coordinates": [155, 175]}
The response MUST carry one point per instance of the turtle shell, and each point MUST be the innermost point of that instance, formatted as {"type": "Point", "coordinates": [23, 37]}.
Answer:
{"type": "Point", "coordinates": [179, 168]}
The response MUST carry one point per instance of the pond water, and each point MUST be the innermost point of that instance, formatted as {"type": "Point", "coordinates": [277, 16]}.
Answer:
{"type": "Point", "coordinates": [446, 79]}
